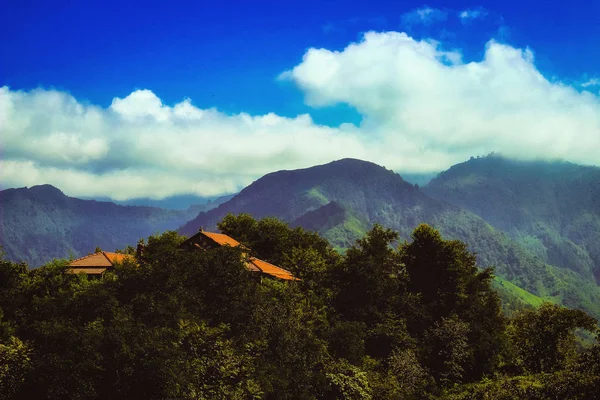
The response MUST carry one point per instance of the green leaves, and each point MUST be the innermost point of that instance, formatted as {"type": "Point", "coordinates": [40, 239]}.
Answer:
{"type": "Point", "coordinates": [544, 339]}
{"type": "Point", "coordinates": [15, 363]}
{"type": "Point", "coordinates": [417, 321]}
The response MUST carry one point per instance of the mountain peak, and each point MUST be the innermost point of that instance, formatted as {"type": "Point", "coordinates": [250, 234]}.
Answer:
{"type": "Point", "coordinates": [46, 189]}
{"type": "Point", "coordinates": [354, 163]}
{"type": "Point", "coordinates": [39, 191]}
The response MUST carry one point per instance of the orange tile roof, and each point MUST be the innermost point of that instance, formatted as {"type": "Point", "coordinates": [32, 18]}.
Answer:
{"type": "Point", "coordinates": [97, 263]}
{"type": "Point", "coordinates": [254, 264]}
{"type": "Point", "coordinates": [117, 258]}
{"type": "Point", "coordinates": [221, 239]}
{"type": "Point", "coordinates": [92, 260]}
{"type": "Point", "coordinates": [88, 271]}
{"type": "Point", "coordinates": [270, 269]}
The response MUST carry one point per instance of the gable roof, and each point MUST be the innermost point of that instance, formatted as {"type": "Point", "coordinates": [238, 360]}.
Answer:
{"type": "Point", "coordinates": [97, 263]}
{"type": "Point", "coordinates": [221, 238]}
{"type": "Point", "coordinates": [270, 269]}
{"type": "Point", "coordinates": [253, 264]}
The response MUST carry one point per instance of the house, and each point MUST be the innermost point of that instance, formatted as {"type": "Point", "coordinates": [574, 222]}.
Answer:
{"type": "Point", "coordinates": [94, 265]}
{"type": "Point", "coordinates": [204, 240]}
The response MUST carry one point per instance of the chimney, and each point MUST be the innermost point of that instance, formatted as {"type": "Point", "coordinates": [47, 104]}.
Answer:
{"type": "Point", "coordinates": [201, 229]}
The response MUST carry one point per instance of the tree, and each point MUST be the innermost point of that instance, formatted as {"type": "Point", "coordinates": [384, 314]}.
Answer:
{"type": "Point", "coordinates": [447, 350]}
{"type": "Point", "coordinates": [213, 368]}
{"type": "Point", "coordinates": [290, 335]}
{"type": "Point", "coordinates": [371, 279]}
{"type": "Point", "coordinates": [346, 382]}
{"type": "Point", "coordinates": [544, 339]}
{"type": "Point", "coordinates": [15, 363]}
{"type": "Point", "coordinates": [439, 271]}
{"type": "Point", "coordinates": [445, 279]}
{"type": "Point", "coordinates": [370, 288]}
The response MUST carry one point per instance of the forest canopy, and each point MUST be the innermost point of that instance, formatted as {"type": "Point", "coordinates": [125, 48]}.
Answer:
{"type": "Point", "coordinates": [388, 319]}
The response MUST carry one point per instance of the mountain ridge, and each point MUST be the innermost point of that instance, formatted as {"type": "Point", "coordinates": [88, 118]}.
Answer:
{"type": "Point", "coordinates": [340, 200]}
{"type": "Point", "coordinates": [40, 223]}
{"type": "Point", "coordinates": [553, 207]}
{"type": "Point", "coordinates": [363, 194]}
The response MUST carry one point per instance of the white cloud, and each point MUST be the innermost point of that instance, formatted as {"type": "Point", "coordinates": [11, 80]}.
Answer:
{"type": "Point", "coordinates": [472, 14]}
{"type": "Point", "coordinates": [591, 82]}
{"type": "Point", "coordinates": [425, 16]}
{"type": "Point", "coordinates": [423, 109]}
{"type": "Point", "coordinates": [140, 147]}
{"type": "Point", "coordinates": [412, 99]}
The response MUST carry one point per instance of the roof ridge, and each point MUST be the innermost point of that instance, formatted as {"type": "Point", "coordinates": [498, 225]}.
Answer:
{"type": "Point", "coordinates": [84, 257]}
{"type": "Point", "coordinates": [221, 238]}
{"type": "Point", "coordinates": [105, 256]}
{"type": "Point", "coordinates": [266, 262]}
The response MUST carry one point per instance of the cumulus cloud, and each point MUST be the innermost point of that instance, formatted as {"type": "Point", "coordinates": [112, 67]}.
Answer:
{"type": "Point", "coordinates": [416, 96]}
{"type": "Point", "coordinates": [424, 108]}
{"type": "Point", "coordinates": [423, 16]}
{"type": "Point", "coordinates": [141, 147]}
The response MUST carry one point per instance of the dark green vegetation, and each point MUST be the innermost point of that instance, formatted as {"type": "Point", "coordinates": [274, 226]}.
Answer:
{"type": "Point", "coordinates": [419, 321]}
{"type": "Point", "coordinates": [343, 199]}
{"type": "Point", "coordinates": [412, 322]}
{"type": "Point", "coordinates": [41, 223]}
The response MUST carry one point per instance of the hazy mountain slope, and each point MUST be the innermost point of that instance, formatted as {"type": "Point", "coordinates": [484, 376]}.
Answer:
{"type": "Point", "coordinates": [41, 223]}
{"type": "Point", "coordinates": [343, 199]}
{"type": "Point", "coordinates": [551, 208]}
{"type": "Point", "coordinates": [179, 202]}
{"type": "Point", "coordinates": [367, 190]}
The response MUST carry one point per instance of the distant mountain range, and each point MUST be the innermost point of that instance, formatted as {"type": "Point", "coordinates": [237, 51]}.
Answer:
{"type": "Point", "coordinates": [41, 223]}
{"type": "Point", "coordinates": [180, 202]}
{"type": "Point", "coordinates": [536, 222]}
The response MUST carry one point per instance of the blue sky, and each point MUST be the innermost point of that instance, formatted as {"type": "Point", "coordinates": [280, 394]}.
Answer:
{"type": "Point", "coordinates": [227, 54]}
{"type": "Point", "coordinates": [231, 56]}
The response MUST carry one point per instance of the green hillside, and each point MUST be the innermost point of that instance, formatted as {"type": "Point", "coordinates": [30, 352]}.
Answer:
{"type": "Point", "coordinates": [40, 223]}
{"type": "Point", "coordinates": [550, 208]}
{"type": "Point", "coordinates": [343, 199]}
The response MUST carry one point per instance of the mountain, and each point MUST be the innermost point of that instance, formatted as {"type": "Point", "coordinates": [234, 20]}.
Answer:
{"type": "Point", "coordinates": [420, 179]}
{"type": "Point", "coordinates": [364, 192]}
{"type": "Point", "coordinates": [343, 199]}
{"type": "Point", "coordinates": [550, 208]}
{"type": "Point", "coordinates": [179, 202]}
{"type": "Point", "coordinates": [40, 223]}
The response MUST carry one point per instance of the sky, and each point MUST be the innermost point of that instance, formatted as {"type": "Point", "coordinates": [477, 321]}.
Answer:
{"type": "Point", "coordinates": [162, 98]}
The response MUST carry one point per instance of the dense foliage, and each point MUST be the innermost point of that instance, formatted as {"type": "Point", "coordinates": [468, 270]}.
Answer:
{"type": "Point", "coordinates": [389, 319]}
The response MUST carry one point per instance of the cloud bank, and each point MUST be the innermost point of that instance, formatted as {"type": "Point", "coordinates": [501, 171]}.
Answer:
{"type": "Point", "coordinates": [424, 108]}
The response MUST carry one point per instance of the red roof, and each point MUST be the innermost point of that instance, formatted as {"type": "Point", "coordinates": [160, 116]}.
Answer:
{"type": "Point", "coordinates": [221, 239]}
{"type": "Point", "coordinates": [270, 269]}
{"type": "Point", "coordinates": [97, 263]}
{"type": "Point", "coordinates": [254, 264]}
